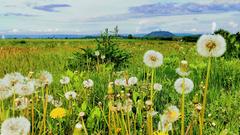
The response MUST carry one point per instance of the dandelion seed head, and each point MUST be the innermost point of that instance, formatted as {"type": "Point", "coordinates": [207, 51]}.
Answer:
{"type": "Point", "coordinates": [153, 59]}
{"type": "Point", "coordinates": [15, 126]}
{"type": "Point", "coordinates": [185, 83]}
{"type": "Point", "coordinates": [65, 80]}
{"type": "Point", "coordinates": [70, 95]}
{"type": "Point", "coordinates": [211, 45]}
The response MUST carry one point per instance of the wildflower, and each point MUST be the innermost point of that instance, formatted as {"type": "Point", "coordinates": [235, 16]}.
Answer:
{"type": "Point", "coordinates": [57, 103]}
{"type": "Point", "coordinates": [21, 103]}
{"type": "Point", "coordinates": [50, 98]}
{"type": "Point", "coordinates": [45, 78]}
{"type": "Point", "coordinates": [132, 81]}
{"type": "Point", "coordinates": [198, 107]}
{"type": "Point", "coordinates": [70, 95]}
{"type": "Point", "coordinates": [157, 87]}
{"type": "Point", "coordinates": [172, 114]}
{"type": "Point", "coordinates": [148, 103]}
{"type": "Point", "coordinates": [153, 59]}
{"type": "Point", "coordinates": [97, 53]}
{"type": "Point", "coordinates": [79, 126]}
{"type": "Point", "coordinates": [110, 88]}
{"type": "Point", "coordinates": [183, 69]}
{"type": "Point", "coordinates": [81, 114]}
{"type": "Point", "coordinates": [65, 80]}
{"type": "Point", "coordinates": [121, 82]}
{"type": "Point", "coordinates": [15, 126]}
{"type": "Point", "coordinates": [211, 45]}
{"type": "Point", "coordinates": [13, 78]}
{"type": "Point", "coordinates": [5, 90]}
{"type": "Point", "coordinates": [88, 83]}
{"type": "Point", "coordinates": [164, 125]}
{"type": "Point", "coordinates": [103, 57]}
{"type": "Point", "coordinates": [24, 89]}
{"type": "Point", "coordinates": [188, 85]}
{"type": "Point", "coordinates": [58, 113]}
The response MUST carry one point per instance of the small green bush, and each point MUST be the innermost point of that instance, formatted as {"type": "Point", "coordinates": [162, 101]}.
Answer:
{"type": "Point", "coordinates": [109, 53]}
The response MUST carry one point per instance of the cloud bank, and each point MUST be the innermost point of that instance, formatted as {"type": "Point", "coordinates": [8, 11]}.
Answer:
{"type": "Point", "coordinates": [51, 7]}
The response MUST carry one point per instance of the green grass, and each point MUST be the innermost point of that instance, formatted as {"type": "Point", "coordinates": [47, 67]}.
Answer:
{"type": "Point", "coordinates": [51, 55]}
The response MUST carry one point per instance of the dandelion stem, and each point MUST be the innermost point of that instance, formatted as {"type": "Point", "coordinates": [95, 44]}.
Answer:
{"type": "Point", "coordinates": [84, 127]}
{"type": "Point", "coordinates": [14, 96]}
{"type": "Point", "coordinates": [182, 107]}
{"type": "Point", "coordinates": [205, 96]}
{"type": "Point", "coordinates": [32, 114]}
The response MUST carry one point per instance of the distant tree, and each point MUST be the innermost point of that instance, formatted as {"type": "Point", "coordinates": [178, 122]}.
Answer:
{"type": "Point", "coordinates": [130, 36]}
{"type": "Point", "coordinates": [233, 43]}
{"type": "Point", "coordinates": [116, 30]}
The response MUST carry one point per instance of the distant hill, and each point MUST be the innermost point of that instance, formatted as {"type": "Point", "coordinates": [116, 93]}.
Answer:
{"type": "Point", "coordinates": [161, 34]}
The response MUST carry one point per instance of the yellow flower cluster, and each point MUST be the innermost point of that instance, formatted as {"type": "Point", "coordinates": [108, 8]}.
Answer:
{"type": "Point", "coordinates": [58, 113]}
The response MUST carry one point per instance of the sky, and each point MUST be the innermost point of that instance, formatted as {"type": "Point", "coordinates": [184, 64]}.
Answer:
{"type": "Point", "coordinates": [131, 16]}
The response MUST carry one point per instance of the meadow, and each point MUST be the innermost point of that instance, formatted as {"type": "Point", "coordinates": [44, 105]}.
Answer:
{"type": "Point", "coordinates": [93, 109]}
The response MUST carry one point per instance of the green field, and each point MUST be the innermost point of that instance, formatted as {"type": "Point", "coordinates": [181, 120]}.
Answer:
{"type": "Point", "coordinates": [36, 55]}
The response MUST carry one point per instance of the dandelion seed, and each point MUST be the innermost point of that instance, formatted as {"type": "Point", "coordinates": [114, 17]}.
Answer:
{"type": "Point", "coordinates": [211, 45]}
{"type": "Point", "coordinates": [70, 95]}
{"type": "Point", "coordinates": [188, 85]}
{"type": "Point", "coordinates": [15, 126]}
{"type": "Point", "coordinates": [58, 113]}
{"type": "Point", "coordinates": [132, 81]}
{"type": "Point", "coordinates": [88, 83]}
{"type": "Point", "coordinates": [153, 59]}
{"type": "Point", "coordinates": [157, 87]}
{"type": "Point", "coordinates": [65, 80]}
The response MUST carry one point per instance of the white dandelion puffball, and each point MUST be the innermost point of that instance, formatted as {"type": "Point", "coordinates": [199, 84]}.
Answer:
{"type": "Point", "coordinates": [172, 113]}
{"type": "Point", "coordinates": [121, 82]}
{"type": "Point", "coordinates": [70, 95]}
{"type": "Point", "coordinates": [57, 103]}
{"type": "Point", "coordinates": [187, 85]}
{"type": "Point", "coordinates": [15, 126]}
{"type": "Point", "coordinates": [182, 73]}
{"type": "Point", "coordinates": [21, 103]}
{"type": "Point", "coordinates": [103, 56]}
{"type": "Point", "coordinates": [157, 87]}
{"type": "Point", "coordinates": [45, 78]}
{"type": "Point", "coordinates": [153, 59]}
{"type": "Point", "coordinates": [78, 126]}
{"type": "Point", "coordinates": [164, 125]}
{"type": "Point", "coordinates": [5, 90]}
{"type": "Point", "coordinates": [24, 89]}
{"type": "Point", "coordinates": [97, 53]}
{"type": "Point", "coordinates": [211, 45]}
{"type": "Point", "coordinates": [88, 83]}
{"type": "Point", "coordinates": [49, 98]}
{"type": "Point", "coordinates": [13, 78]}
{"type": "Point", "coordinates": [132, 81]}
{"type": "Point", "coordinates": [65, 80]}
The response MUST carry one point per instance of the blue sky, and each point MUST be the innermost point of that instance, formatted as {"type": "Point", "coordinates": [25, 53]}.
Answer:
{"type": "Point", "coordinates": [132, 16]}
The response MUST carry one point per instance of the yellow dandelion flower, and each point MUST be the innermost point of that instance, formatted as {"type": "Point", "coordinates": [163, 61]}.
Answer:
{"type": "Point", "coordinates": [160, 133]}
{"type": "Point", "coordinates": [58, 113]}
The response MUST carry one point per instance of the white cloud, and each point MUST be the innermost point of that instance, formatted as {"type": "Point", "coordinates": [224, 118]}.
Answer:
{"type": "Point", "coordinates": [233, 24]}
